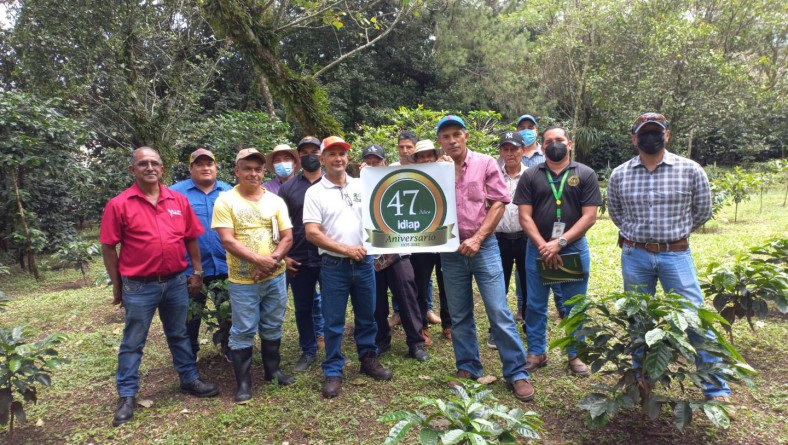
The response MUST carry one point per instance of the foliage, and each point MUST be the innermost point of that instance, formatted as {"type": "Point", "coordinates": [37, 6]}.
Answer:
{"type": "Point", "coordinates": [77, 254]}
{"type": "Point", "coordinates": [603, 207]}
{"type": "Point", "coordinates": [738, 186]}
{"type": "Point", "coordinates": [218, 316]}
{"type": "Point", "coordinates": [464, 418]}
{"type": "Point", "coordinates": [668, 335]}
{"type": "Point", "coordinates": [23, 365]}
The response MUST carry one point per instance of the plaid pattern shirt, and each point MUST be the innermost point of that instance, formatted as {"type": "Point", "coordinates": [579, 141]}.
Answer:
{"type": "Point", "coordinates": [660, 206]}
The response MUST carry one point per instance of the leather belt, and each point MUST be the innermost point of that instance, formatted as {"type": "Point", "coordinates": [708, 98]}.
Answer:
{"type": "Point", "coordinates": [156, 278]}
{"type": "Point", "coordinates": [672, 246]}
{"type": "Point", "coordinates": [510, 235]}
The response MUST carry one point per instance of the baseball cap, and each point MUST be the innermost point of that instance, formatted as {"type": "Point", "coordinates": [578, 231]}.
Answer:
{"type": "Point", "coordinates": [375, 150]}
{"type": "Point", "coordinates": [308, 140]}
{"type": "Point", "coordinates": [649, 118]}
{"type": "Point", "coordinates": [332, 141]}
{"type": "Point", "coordinates": [249, 153]}
{"type": "Point", "coordinates": [200, 152]}
{"type": "Point", "coordinates": [450, 120]}
{"type": "Point", "coordinates": [512, 137]}
{"type": "Point", "coordinates": [526, 117]}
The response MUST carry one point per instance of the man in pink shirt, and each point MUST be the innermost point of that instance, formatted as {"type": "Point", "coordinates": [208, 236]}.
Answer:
{"type": "Point", "coordinates": [481, 195]}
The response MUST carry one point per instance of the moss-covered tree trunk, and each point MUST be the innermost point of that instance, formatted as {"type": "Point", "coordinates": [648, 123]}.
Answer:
{"type": "Point", "coordinates": [245, 24]}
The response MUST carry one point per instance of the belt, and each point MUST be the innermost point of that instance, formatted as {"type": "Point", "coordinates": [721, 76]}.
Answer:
{"type": "Point", "coordinates": [672, 246]}
{"type": "Point", "coordinates": [342, 258]}
{"type": "Point", "coordinates": [152, 278]}
{"type": "Point", "coordinates": [510, 235]}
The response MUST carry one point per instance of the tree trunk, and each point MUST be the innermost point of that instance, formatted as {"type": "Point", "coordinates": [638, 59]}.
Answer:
{"type": "Point", "coordinates": [266, 92]}
{"type": "Point", "coordinates": [31, 260]}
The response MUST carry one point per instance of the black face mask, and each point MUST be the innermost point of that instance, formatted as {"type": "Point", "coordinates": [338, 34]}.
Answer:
{"type": "Point", "coordinates": [556, 151]}
{"type": "Point", "coordinates": [651, 142]}
{"type": "Point", "coordinates": [310, 163]}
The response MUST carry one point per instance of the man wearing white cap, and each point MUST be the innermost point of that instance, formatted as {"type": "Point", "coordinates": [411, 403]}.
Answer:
{"type": "Point", "coordinates": [282, 162]}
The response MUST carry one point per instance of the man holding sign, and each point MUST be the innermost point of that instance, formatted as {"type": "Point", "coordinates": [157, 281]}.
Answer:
{"type": "Point", "coordinates": [478, 181]}
{"type": "Point", "coordinates": [558, 201]}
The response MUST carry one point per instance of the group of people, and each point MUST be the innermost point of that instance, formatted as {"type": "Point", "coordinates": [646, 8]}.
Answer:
{"type": "Point", "coordinates": [527, 209]}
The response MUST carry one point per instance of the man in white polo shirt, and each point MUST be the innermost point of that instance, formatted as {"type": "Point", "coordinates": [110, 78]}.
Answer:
{"type": "Point", "coordinates": [332, 220]}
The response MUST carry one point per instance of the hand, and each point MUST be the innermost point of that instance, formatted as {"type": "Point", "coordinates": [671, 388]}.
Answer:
{"type": "Point", "coordinates": [292, 266]}
{"type": "Point", "coordinates": [194, 284]}
{"type": "Point", "coordinates": [445, 158]}
{"type": "Point", "coordinates": [549, 249]}
{"type": "Point", "coordinates": [258, 274]}
{"type": "Point", "coordinates": [117, 294]}
{"type": "Point", "coordinates": [362, 166]}
{"type": "Point", "coordinates": [267, 263]}
{"type": "Point", "coordinates": [356, 253]}
{"type": "Point", "coordinates": [470, 247]}
{"type": "Point", "coordinates": [554, 262]}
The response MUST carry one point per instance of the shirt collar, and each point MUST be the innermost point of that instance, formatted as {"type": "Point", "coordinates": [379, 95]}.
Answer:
{"type": "Point", "coordinates": [329, 185]}
{"type": "Point", "coordinates": [667, 158]}
{"type": "Point", "coordinates": [572, 164]}
{"type": "Point", "coordinates": [164, 192]}
{"type": "Point", "coordinates": [520, 173]}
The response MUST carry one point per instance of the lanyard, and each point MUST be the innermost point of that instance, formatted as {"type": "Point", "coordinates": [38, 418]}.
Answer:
{"type": "Point", "coordinates": [557, 194]}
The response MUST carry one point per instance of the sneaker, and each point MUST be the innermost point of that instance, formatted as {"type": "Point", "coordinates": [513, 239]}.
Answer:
{"type": "Point", "coordinates": [417, 352]}
{"type": "Point", "coordinates": [447, 333]}
{"type": "Point", "coordinates": [433, 318]}
{"type": "Point", "coordinates": [304, 362]}
{"type": "Point", "coordinates": [199, 388]}
{"type": "Point", "coordinates": [461, 374]}
{"type": "Point", "coordinates": [491, 342]}
{"type": "Point", "coordinates": [370, 365]}
{"type": "Point", "coordinates": [394, 320]}
{"type": "Point", "coordinates": [331, 386]}
{"type": "Point", "coordinates": [425, 334]}
{"type": "Point", "coordinates": [523, 390]}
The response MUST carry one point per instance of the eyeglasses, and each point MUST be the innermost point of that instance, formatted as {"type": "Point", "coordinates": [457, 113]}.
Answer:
{"type": "Point", "coordinates": [151, 164]}
{"type": "Point", "coordinates": [346, 197]}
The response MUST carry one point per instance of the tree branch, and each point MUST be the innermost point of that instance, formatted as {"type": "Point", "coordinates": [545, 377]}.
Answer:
{"type": "Point", "coordinates": [306, 17]}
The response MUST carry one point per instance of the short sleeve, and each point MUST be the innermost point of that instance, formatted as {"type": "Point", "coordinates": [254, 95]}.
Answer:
{"type": "Point", "coordinates": [494, 183]}
{"type": "Point", "coordinates": [522, 193]}
{"type": "Point", "coordinates": [222, 214]}
{"type": "Point", "coordinates": [312, 213]}
{"type": "Point", "coordinates": [591, 196]}
{"type": "Point", "coordinates": [111, 227]}
{"type": "Point", "coordinates": [283, 217]}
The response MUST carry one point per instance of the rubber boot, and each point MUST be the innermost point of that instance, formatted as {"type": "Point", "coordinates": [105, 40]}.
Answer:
{"type": "Point", "coordinates": [269, 349]}
{"type": "Point", "coordinates": [242, 364]}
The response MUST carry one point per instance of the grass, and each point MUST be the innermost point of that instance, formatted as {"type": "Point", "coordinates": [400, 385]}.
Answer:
{"type": "Point", "coordinates": [78, 407]}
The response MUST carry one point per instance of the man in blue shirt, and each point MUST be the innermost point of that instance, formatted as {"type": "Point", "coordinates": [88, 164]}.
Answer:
{"type": "Point", "coordinates": [532, 150]}
{"type": "Point", "coordinates": [201, 190]}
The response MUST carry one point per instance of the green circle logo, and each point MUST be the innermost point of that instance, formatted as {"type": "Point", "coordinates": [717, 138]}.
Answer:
{"type": "Point", "coordinates": [407, 201]}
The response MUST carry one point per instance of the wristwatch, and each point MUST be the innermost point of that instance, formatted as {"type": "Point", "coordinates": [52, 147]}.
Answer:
{"type": "Point", "coordinates": [199, 273]}
{"type": "Point", "coordinates": [562, 241]}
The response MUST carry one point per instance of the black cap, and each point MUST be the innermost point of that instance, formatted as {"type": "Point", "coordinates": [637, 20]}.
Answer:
{"type": "Point", "coordinates": [373, 149]}
{"type": "Point", "coordinates": [512, 137]}
{"type": "Point", "coordinates": [308, 140]}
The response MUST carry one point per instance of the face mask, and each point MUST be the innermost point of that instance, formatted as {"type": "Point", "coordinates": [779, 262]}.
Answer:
{"type": "Point", "coordinates": [310, 163]}
{"type": "Point", "coordinates": [556, 151]}
{"type": "Point", "coordinates": [529, 136]}
{"type": "Point", "coordinates": [283, 169]}
{"type": "Point", "coordinates": [651, 142]}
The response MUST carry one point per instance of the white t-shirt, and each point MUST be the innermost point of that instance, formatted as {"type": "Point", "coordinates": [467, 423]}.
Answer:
{"type": "Point", "coordinates": [337, 210]}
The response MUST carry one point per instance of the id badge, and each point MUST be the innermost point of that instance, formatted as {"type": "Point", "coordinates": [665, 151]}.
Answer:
{"type": "Point", "coordinates": [558, 229]}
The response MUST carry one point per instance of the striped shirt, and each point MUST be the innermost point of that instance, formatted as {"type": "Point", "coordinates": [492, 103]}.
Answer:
{"type": "Point", "coordinates": [660, 206]}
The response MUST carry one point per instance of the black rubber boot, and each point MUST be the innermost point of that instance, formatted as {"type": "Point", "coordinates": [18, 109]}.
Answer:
{"type": "Point", "coordinates": [242, 364]}
{"type": "Point", "coordinates": [269, 349]}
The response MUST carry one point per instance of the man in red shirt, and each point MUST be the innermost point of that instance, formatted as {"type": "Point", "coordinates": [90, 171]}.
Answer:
{"type": "Point", "coordinates": [156, 227]}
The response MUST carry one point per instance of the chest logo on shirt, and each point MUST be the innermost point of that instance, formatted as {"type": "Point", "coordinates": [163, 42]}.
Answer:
{"type": "Point", "coordinates": [573, 181]}
{"type": "Point", "coordinates": [174, 212]}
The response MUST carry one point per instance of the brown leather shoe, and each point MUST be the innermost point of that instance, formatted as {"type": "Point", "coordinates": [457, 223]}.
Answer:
{"type": "Point", "coordinates": [433, 318]}
{"type": "Point", "coordinates": [370, 365]}
{"type": "Point", "coordinates": [331, 386]}
{"type": "Point", "coordinates": [394, 320]}
{"type": "Point", "coordinates": [447, 333]}
{"type": "Point", "coordinates": [578, 368]}
{"type": "Point", "coordinates": [534, 362]}
{"type": "Point", "coordinates": [461, 374]}
{"type": "Point", "coordinates": [321, 342]}
{"type": "Point", "coordinates": [523, 390]}
{"type": "Point", "coordinates": [425, 334]}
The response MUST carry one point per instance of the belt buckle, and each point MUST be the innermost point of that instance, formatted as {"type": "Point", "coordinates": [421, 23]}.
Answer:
{"type": "Point", "coordinates": [657, 250]}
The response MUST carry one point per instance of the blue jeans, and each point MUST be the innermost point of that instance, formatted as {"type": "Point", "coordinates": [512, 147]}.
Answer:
{"type": "Point", "coordinates": [557, 298]}
{"type": "Point", "coordinates": [141, 300]}
{"type": "Point", "coordinates": [675, 271]}
{"type": "Point", "coordinates": [538, 293]}
{"type": "Point", "coordinates": [340, 277]}
{"type": "Point", "coordinates": [458, 274]}
{"type": "Point", "coordinates": [308, 311]}
{"type": "Point", "coordinates": [258, 307]}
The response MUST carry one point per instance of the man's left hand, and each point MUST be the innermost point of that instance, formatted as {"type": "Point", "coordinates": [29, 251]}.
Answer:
{"type": "Point", "coordinates": [470, 247]}
{"type": "Point", "coordinates": [194, 284]}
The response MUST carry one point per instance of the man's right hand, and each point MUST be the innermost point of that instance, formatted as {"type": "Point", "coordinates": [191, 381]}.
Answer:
{"type": "Point", "coordinates": [292, 266]}
{"type": "Point", "coordinates": [117, 294]}
{"type": "Point", "coordinates": [356, 253]}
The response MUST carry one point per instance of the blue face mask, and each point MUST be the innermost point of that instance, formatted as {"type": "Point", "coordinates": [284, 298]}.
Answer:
{"type": "Point", "coordinates": [529, 136]}
{"type": "Point", "coordinates": [283, 169]}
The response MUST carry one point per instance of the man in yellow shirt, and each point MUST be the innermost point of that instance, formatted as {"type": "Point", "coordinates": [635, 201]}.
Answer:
{"type": "Point", "coordinates": [255, 229]}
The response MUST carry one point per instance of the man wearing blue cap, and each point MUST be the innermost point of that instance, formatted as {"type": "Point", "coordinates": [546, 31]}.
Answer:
{"type": "Point", "coordinates": [657, 199]}
{"type": "Point", "coordinates": [481, 195]}
{"type": "Point", "coordinates": [532, 150]}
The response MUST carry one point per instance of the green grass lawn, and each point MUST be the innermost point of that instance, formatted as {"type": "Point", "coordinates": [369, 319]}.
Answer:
{"type": "Point", "coordinates": [78, 407]}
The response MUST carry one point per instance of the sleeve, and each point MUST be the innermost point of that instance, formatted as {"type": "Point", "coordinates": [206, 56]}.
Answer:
{"type": "Point", "coordinates": [494, 183]}
{"type": "Point", "coordinates": [614, 205]}
{"type": "Point", "coordinates": [193, 227]}
{"type": "Point", "coordinates": [591, 195]}
{"type": "Point", "coordinates": [522, 193]}
{"type": "Point", "coordinates": [222, 214]}
{"type": "Point", "coordinates": [111, 225]}
{"type": "Point", "coordinates": [701, 198]}
{"type": "Point", "coordinates": [312, 213]}
{"type": "Point", "coordinates": [283, 217]}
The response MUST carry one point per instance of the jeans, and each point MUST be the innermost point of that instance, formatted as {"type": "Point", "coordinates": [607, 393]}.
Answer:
{"type": "Point", "coordinates": [423, 264]}
{"type": "Point", "coordinates": [557, 298]}
{"type": "Point", "coordinates": [399, 278]}
{"type": "Point", "coordinates": [141, 300]}
{"type": "Point", "coordinates": [258, 307]}
{"type": "Point", "coordinates": [308, 311]}
{"type": "Point", "coordinates": [458, 273]}
{"type": "Point", "coordinates": [340, 277]}
{"type": "Point", "coordinates": [675, 271]}
{"type": "Point", "coordinates": [538, 293]}
{"type": "Point", "coordinates": [513, 254]}
{"type": "Point", "coordinates": [193, 325]}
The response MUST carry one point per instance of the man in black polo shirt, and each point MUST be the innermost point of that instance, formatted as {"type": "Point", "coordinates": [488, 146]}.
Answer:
{"type": "Point", "coordinates": [557, 202]}
{"type": "Point", "coordinates": [303, 260]}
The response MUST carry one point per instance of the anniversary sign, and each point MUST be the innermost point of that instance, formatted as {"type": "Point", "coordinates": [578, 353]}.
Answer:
{"type": "Point", "coordinates": [410, 209]}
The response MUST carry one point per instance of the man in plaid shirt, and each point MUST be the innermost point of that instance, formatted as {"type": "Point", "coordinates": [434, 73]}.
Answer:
{"type": "Point", "coordinates": [657, 199]}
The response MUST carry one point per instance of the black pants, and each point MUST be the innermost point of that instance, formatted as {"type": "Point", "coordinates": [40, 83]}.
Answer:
{"type": "Point", "coordinates": [513, 253]}
{"type": "Point", "coordinates": [193, 325]}
{"type": "Point", "coordinates": [423, 264]}
{"type": "Point", "coordinates": [399, 278]}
